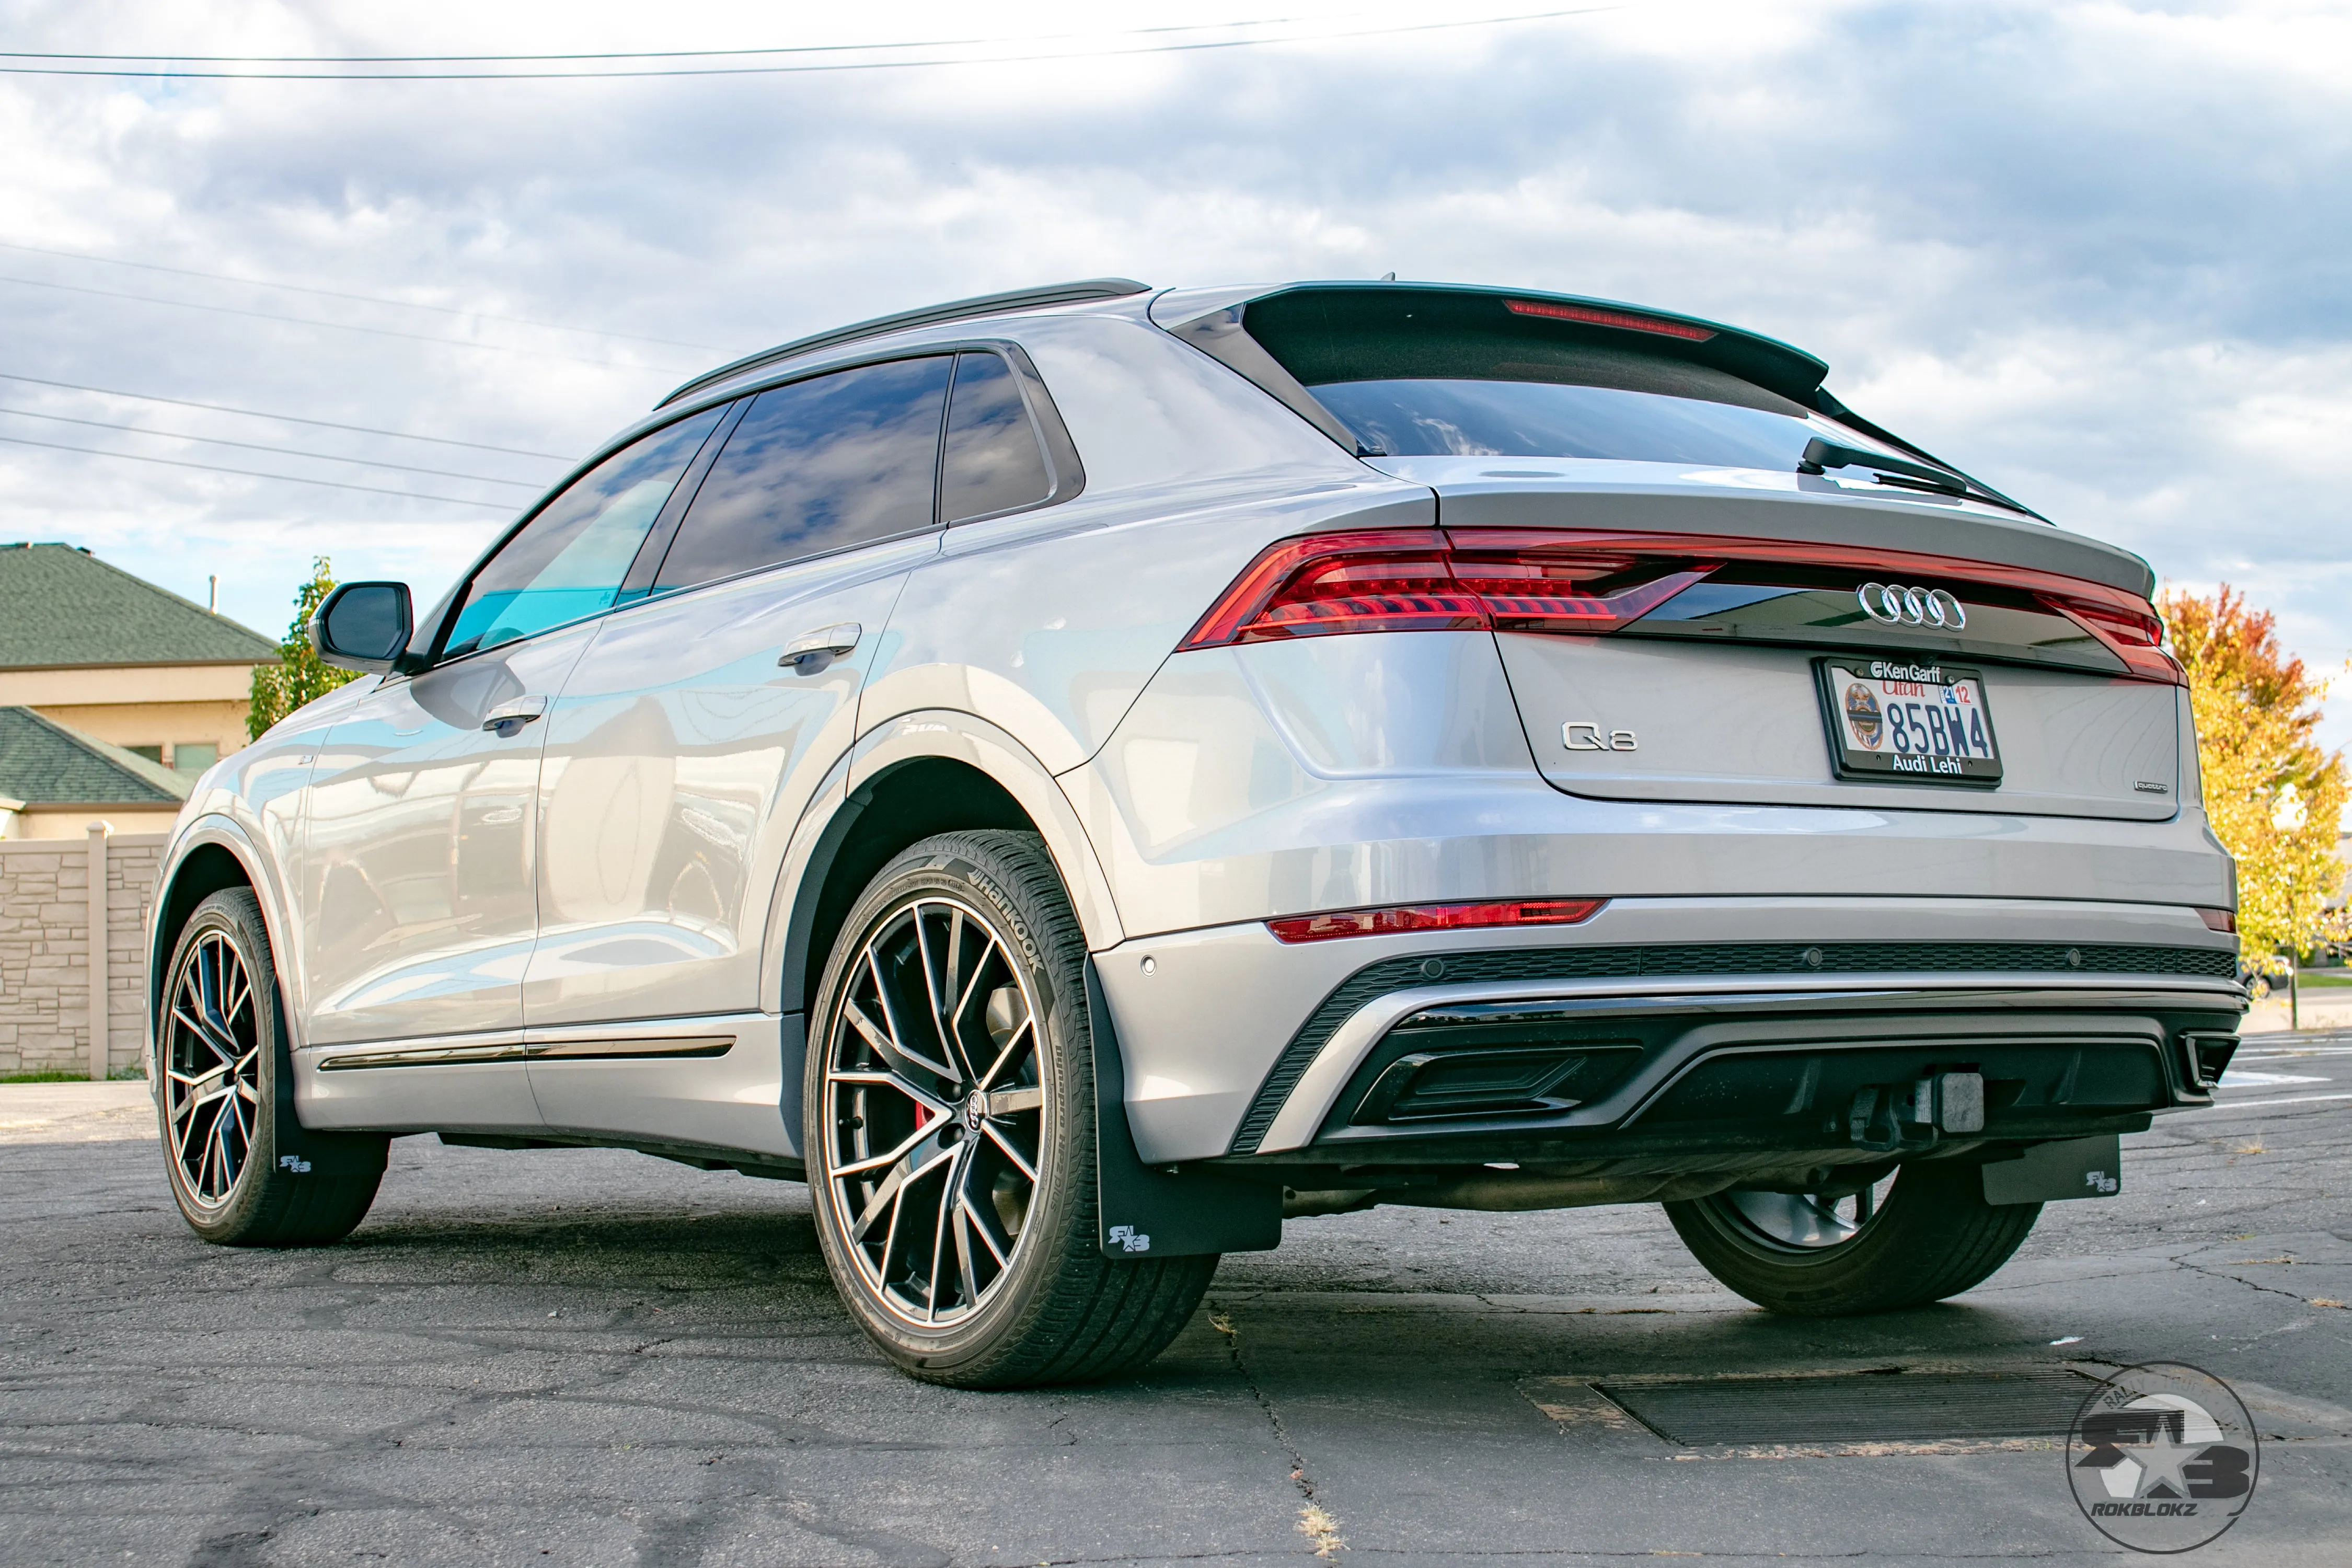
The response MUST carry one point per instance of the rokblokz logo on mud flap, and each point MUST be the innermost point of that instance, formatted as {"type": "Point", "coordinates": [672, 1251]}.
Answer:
{"type": "Point", "coordinates": [2163, 1457]}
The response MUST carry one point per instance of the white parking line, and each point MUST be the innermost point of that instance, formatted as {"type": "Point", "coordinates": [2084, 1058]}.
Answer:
{"type": "Point", "coordinates": [2250, 1104]}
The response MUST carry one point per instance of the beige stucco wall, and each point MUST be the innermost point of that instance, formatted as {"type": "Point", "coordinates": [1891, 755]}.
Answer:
{"type": "Point", "coordinates": [140, 705]}
{"type": "Point", "coordinates": [165, 725]}
{"type": "Point", "coordinates": [73, 821]}
{"type": "Point", "coordinates": [45, 945]}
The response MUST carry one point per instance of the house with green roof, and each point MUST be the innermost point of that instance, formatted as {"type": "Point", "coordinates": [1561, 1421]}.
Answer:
{"type": "Point", "coordinates": [137, 690]}
{"type": "Point", "coordinates": [54, 780]}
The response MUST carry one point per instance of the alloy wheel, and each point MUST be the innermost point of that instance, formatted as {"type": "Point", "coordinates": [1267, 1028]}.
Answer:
{"type": "Point", "coordinates": [212, 1070]}
{"type": "Point", "coordinates": [936, 1114]}
{"type": "Point", "coordinates": [1808, 1222]}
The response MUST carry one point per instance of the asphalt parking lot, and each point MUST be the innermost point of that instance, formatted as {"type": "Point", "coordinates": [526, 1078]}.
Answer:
{"type": "Point", "coordinates": [594, 1357]}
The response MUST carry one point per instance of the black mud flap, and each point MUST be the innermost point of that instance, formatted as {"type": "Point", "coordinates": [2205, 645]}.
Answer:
{"type": "Point", "coordinates": [299, 1151]}
{"type": "Point", "coordinates": [1162, 1211]}
{"type": "Point", "coordinates": [2046, 1172]}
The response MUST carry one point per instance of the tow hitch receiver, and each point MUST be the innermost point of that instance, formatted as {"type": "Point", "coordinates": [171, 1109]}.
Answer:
{"type": "Point", "coordinates": [1909, 1115]}
{"type": "Point", "coordinates": [1949, 1101]}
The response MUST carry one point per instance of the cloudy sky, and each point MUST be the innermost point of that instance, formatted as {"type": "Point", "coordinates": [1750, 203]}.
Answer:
{"type": "Point", "coordinates": [2097, 253]}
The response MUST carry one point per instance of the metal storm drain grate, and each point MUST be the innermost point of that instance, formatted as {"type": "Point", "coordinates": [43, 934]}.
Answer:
{"type": "Point", "coordinates": [1893, 1406]}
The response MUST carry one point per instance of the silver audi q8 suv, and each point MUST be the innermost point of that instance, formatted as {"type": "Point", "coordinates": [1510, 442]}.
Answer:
{"type": "Point", "coordinates": [1077, 776]}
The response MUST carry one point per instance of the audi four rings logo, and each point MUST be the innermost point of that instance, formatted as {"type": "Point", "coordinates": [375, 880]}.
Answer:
{"type": "Point", "coordinates": [1894, 606]}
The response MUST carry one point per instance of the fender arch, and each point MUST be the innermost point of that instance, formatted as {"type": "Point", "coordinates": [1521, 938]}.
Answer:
{"type": "Point", "coordinates": [928, 772]}
{"type": "Point", "coordinates": [214, 851]}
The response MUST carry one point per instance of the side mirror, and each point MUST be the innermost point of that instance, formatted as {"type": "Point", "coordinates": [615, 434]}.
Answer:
{"type": "Point", "coordinates": [363, 626]}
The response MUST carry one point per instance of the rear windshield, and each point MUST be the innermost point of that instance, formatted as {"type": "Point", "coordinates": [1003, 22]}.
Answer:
{"type": "Point", "coordinates": [1417, 418]}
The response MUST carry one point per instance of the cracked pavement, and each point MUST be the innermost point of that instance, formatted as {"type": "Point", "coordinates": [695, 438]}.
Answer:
{"type": "Point", "coordinates": [594, 1357]}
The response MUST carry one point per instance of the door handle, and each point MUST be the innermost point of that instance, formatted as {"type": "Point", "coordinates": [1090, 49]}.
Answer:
{"type": "Point", "coordinates": [508, 717]}
{"type": "Point", "coordinates": [825, 642]}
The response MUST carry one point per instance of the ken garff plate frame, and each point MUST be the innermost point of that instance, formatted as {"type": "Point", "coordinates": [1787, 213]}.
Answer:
{"type": "Point", "coordinates": [1892, 721]}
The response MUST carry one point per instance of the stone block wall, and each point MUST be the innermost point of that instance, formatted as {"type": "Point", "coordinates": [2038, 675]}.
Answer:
{"type": "Point", "coordinates": [45, 947]}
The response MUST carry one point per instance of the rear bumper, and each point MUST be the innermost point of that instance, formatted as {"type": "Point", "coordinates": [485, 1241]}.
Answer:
{"type": "Point", "coordinates": [1236, 1045]}
{"type": "Point", "coordinates": [1768, 1066]}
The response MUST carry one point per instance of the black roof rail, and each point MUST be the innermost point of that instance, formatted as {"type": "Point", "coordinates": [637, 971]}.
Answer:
{"type": "Point", "coordinates": [930, 315]}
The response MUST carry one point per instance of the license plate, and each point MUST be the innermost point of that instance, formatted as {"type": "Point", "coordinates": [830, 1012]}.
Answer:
{"type": "Point", "coordinates": [1898, 722]}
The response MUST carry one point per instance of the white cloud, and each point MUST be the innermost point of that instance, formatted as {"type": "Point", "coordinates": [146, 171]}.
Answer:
{"type": "Point", "coordinates": [2091, 250]}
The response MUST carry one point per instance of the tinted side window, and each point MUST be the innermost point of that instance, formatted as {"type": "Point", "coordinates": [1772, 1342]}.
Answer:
{"type": "Point", "coordinates": [568, 562]}
{"type": "Point", "coordinates": [816, 466]}
{"type": "Point", "coordinates": [993, 461]}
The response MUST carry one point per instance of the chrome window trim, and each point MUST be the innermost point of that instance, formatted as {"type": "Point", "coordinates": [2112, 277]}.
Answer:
{"type": "Point", "coordinates": [1062, 459]}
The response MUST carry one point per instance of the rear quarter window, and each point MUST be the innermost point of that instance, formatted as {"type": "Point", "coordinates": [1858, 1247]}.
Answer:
{"type": "Point", "coordinates": [995, 460]}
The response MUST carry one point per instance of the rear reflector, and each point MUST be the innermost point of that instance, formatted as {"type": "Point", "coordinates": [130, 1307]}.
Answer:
{"type": "Point", "coordinates": [1591, 582]}
{"type": "Point", "coordinates": [2220, 919]}
{"type": "Point", "coordinates": [1434, 916]}
{"type": "Point", "coordinates": [1595, 316]}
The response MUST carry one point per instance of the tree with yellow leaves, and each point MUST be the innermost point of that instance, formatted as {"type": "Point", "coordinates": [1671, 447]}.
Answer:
{"type": "Point", "coordinates": [2273, 796]}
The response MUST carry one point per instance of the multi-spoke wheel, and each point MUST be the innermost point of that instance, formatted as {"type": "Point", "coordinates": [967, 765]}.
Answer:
{"type": "Point", "coordinates": [935, 1110]}
{"type": "Point", "coordinates": [219, 1053]}
{"type": "Point", "coordinates": [210, 1053]}
{"type": "Point", "coordinates": [950, 1129]}
{"type": "Point", "coordinates": [1897, 1240]}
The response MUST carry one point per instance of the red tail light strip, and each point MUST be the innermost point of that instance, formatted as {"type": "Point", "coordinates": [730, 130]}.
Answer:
{"type": "Point", "coordinates": [1544, 580]}
{"type": "Point", "coordinates": [1434, 916]}
{"type": "Point", "coordinates": [2132, 629]}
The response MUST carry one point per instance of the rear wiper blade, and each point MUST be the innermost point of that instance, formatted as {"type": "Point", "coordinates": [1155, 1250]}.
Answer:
{"type": "Point", "coordinates": [1821, 455]}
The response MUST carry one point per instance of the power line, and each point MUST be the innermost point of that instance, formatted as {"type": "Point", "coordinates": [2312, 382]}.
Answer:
{"type": "Point", "coordinates": [253, 473]}
{"type": "Point", "coordinates": [285, 418]}
{"type": "Point", "coordinates": [631, 54]}
{"type": "Point", "coordinates": [808, 69]}
{"type": "Point", "coordinates": [314, 322]}
{"type": "Point", "coordinates": [363, 299]}
{"type": "Point", "coordinates": [256, 446]}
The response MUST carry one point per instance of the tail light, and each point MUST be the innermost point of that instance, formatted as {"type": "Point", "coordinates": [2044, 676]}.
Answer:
{"type": "Point", "coordinates": [1592, 582]}
{"type": "Point", "coordinates": [1434, 916]}
{"type": "Point", "coordinates": [2134, 632]}
{"type": "Point", "coordinates": [1559, 584]}
{"type": "Point", "coordinates": [1422, 579]}
{"type": "Point", "coordinates": [1393, 580]}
